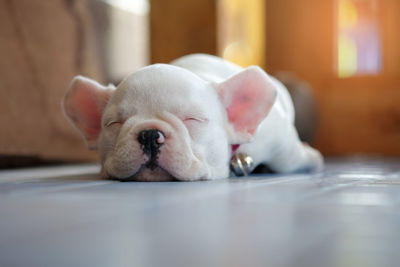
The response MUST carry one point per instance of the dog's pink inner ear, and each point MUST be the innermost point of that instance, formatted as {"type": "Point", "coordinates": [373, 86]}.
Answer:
{"type": "Point", "coordinates": [84, 105]}
{"type": "Point", "coordinates": [248, 97]}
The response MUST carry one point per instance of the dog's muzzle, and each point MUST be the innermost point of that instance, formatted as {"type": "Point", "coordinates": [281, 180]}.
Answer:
{"type": "Point", "coordinates": [151, 140]}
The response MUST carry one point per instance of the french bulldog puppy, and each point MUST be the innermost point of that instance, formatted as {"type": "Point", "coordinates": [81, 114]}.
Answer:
{"type": "Point", "coordinates": [185, 120]}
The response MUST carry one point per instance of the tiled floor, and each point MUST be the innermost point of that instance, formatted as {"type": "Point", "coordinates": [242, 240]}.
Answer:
{"type": "Point", "coordinates": [349, 215]}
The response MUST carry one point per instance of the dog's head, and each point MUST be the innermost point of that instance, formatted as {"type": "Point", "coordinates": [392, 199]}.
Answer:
{"type": "Point", "coordinates": [163, 122]}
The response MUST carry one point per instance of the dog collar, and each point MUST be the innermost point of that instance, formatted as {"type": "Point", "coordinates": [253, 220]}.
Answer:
{"type": "Point", "coordinates": [234, 148]}
{"type": "Point", "coordinates": [241, 164]}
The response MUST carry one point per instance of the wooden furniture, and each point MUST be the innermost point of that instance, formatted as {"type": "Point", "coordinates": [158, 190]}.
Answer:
{"type": "Point", "coordinates": [178, 28]}
{"type": "Point", "coordinates": [358, 114]}
{"type": "Point", "coordinates": [45, 43]}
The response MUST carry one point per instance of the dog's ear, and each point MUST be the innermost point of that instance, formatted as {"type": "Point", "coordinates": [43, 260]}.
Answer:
{"type": "Point", "coordinates": [247, 97]}
{"type": "Point", "coordinates": [84, 103]}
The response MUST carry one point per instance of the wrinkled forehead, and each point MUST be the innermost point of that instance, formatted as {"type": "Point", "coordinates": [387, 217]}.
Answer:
{"type": "Point", "coordinates": [163, 86]}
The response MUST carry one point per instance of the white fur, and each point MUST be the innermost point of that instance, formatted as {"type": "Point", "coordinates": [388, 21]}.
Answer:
{"type": "Point", "coordinates": [161, 97]}
{"type": "Point", "coordinates": [182, 101]}
{"type": "Point", "coordinates": [276, 142]}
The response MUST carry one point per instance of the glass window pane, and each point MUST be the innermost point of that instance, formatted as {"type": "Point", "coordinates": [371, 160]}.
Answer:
{"type": "Point", "coordinates": [358, 38]}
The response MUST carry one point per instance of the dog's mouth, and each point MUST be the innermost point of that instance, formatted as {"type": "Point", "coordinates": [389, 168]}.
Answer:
{"type": "Point", "coordinates": [149, 172]}
{"type": "Point", "coordinates": [152, 163]}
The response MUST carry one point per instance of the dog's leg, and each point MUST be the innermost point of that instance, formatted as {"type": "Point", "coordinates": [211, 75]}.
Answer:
{"type": "Point", "coordinates": [292, 155]}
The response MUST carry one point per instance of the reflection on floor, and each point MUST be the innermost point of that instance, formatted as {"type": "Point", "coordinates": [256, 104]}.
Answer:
{"type": "Point", "coordinates": [349, 215]}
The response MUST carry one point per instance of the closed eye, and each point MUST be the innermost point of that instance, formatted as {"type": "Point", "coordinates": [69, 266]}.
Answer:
{"type": "Point", "coordinates": [193, 119]}
{"type": "Point", "coordinates": [113, 123]}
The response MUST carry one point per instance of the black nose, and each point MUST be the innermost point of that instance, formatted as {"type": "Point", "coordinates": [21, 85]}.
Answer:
{"type": "Point", "coordinates": [151, 140]}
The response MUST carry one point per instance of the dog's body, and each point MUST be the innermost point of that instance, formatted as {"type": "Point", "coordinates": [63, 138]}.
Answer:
{"type": "Point", "coordinates": [180, 121]}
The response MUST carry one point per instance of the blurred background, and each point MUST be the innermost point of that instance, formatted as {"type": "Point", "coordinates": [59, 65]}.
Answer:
{"type": "Point", "coordinates": [340, 58]}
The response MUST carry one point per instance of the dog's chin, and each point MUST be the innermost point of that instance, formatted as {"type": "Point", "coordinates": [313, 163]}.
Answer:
{"type": "Point", "coordinates": [145, 174]}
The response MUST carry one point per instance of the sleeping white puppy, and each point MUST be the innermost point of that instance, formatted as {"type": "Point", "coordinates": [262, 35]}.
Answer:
{"type": "Point", "coordinates": [186, 119]}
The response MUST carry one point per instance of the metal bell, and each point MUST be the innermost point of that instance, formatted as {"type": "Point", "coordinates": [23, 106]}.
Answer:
{"type": "Point", "coordinates": [241, 164]}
